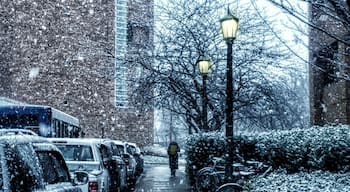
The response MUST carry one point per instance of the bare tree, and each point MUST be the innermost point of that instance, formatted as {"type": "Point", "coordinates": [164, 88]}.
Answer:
{"type": "Point", "coordinates": [328, 24]}
{"type": "Point", "coordinates": [328, 30]}
{"type": "Point", "coordinates": [186, 30]}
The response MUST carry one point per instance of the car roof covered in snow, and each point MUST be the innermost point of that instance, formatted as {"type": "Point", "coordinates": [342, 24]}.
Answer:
{"type": "Point", "coordinates": [86, 141]}
{"type": "Point", "coordinates": [20, 138]}
{"type": "Point", "coordinates": [16, 131]}
{"type": "Point", "coordinates": [137, 148]}
{"type": "Point", "coordinates": [118, 142]}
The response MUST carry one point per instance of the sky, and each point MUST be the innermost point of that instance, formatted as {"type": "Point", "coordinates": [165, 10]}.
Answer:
{"type": "Point", "coordinates": [285, 24]}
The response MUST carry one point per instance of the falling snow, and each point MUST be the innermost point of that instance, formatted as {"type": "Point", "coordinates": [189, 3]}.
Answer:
{"type": "Point", "coordinates": [34, 72]}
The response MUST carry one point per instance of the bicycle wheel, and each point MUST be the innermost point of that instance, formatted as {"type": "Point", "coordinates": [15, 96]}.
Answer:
{"type": "Point", "coordinates": [230, 187]}
{"type": "Point", "coordinates": [206, 180]}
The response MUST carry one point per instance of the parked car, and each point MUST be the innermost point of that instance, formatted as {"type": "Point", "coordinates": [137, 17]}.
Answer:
{"type": "Point", "coordinates": [135, 151]}
{"type": "Point", "coordinates": [121, 165]}
{"type": "Point", "coordinates": [92, 156]}
{"type": "Point", "coordinates": [31, 163]}
{"type": "Point", "coordinates": [129, 159]}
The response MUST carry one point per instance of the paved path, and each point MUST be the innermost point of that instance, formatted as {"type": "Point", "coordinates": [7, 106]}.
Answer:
{"type": "Point", "coordinates": [156, 178]}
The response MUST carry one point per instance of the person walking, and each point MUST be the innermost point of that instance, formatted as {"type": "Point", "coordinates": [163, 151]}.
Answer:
{"type": "Point", "coordinates": [173, 150]}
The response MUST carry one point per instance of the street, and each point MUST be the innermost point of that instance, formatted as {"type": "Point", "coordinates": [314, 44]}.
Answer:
{"type": "Point", "coordinates": [156, 177]}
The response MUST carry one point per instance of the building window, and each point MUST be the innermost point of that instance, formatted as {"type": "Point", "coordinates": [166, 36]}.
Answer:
{"type": "Point", "coordinates": [138, 35]}
{"type": "Point", "coordinates": [121, 96]}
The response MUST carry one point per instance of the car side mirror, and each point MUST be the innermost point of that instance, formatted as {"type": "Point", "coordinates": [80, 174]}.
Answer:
{"type": "Point", "coordinates": [106, 162]}
{"type": "Point", "coordinates": [80, 178]}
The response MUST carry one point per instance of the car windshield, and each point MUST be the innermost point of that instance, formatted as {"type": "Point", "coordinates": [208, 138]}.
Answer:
{"type": "Point", "coordinates": [121, 149]}
{"type": "Point", "coordinates": [21, 164]}
{"type": "Point", "coordinates": [131, 149]}
{"type": "Point", "coordinates": [76, 152]}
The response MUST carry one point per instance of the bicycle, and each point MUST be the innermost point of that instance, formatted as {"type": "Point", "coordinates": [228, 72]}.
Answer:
{"type": "Point", "coordinates": [212, 178]}
{"type": "Point", "coordinates": [235, 187]}
{"type": "Point", "coordinates": [208, 178]}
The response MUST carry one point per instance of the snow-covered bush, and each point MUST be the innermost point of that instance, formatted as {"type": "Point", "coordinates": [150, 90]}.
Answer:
{"type": "Point", "coordinates": [317, 148]}
{"type": "Point", "coordinates": [245, 146]}
{"type": "Point", "coordinates": [198, 149]}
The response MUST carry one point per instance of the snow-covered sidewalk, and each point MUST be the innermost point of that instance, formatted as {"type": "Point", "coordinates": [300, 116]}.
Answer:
{"type": "Point", "coordinates": [157, 178]}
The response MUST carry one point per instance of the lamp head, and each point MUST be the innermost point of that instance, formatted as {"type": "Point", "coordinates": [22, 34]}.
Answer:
{"type": "Point", "coordinates": [229, 27]}
{"type": "Point", "coordinates": [204, 65]}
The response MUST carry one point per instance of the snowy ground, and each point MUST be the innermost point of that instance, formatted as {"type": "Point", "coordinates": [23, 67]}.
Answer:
{"type": "Point", "coordinates": [309, 182]}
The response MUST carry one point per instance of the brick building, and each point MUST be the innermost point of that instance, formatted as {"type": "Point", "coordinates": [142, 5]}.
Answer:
{"type": "Point", "coordinates": [329, 61]}
{"type": "Point", "coordinates": [67, 55]}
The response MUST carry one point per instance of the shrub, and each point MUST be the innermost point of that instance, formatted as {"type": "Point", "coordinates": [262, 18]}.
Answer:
{"type": "Point", "coordinates": [317, 148]}
{"type": "Point", "coordinates": [198, 149]}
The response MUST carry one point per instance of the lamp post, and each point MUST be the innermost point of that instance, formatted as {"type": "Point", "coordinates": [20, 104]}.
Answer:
{"type": "Point", "coordinates": [229, 27]}
{"type": "Point", "coordinates": [204, 66]}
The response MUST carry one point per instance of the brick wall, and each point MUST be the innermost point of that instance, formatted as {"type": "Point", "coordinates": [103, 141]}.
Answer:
{"type": "Point", "coordinates": [61, 55]}
{"type": "Point", "coordinates": [329, 100]}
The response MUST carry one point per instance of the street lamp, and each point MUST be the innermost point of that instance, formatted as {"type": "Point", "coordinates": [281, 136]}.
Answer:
{"type": "Point", "coordinates": [204, 66]}
{"type": "Point", "coordinates": [229, 27]}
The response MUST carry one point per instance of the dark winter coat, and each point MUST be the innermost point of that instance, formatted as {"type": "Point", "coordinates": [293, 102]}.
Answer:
{"type": "Point", "coordinates": [173, 159]}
